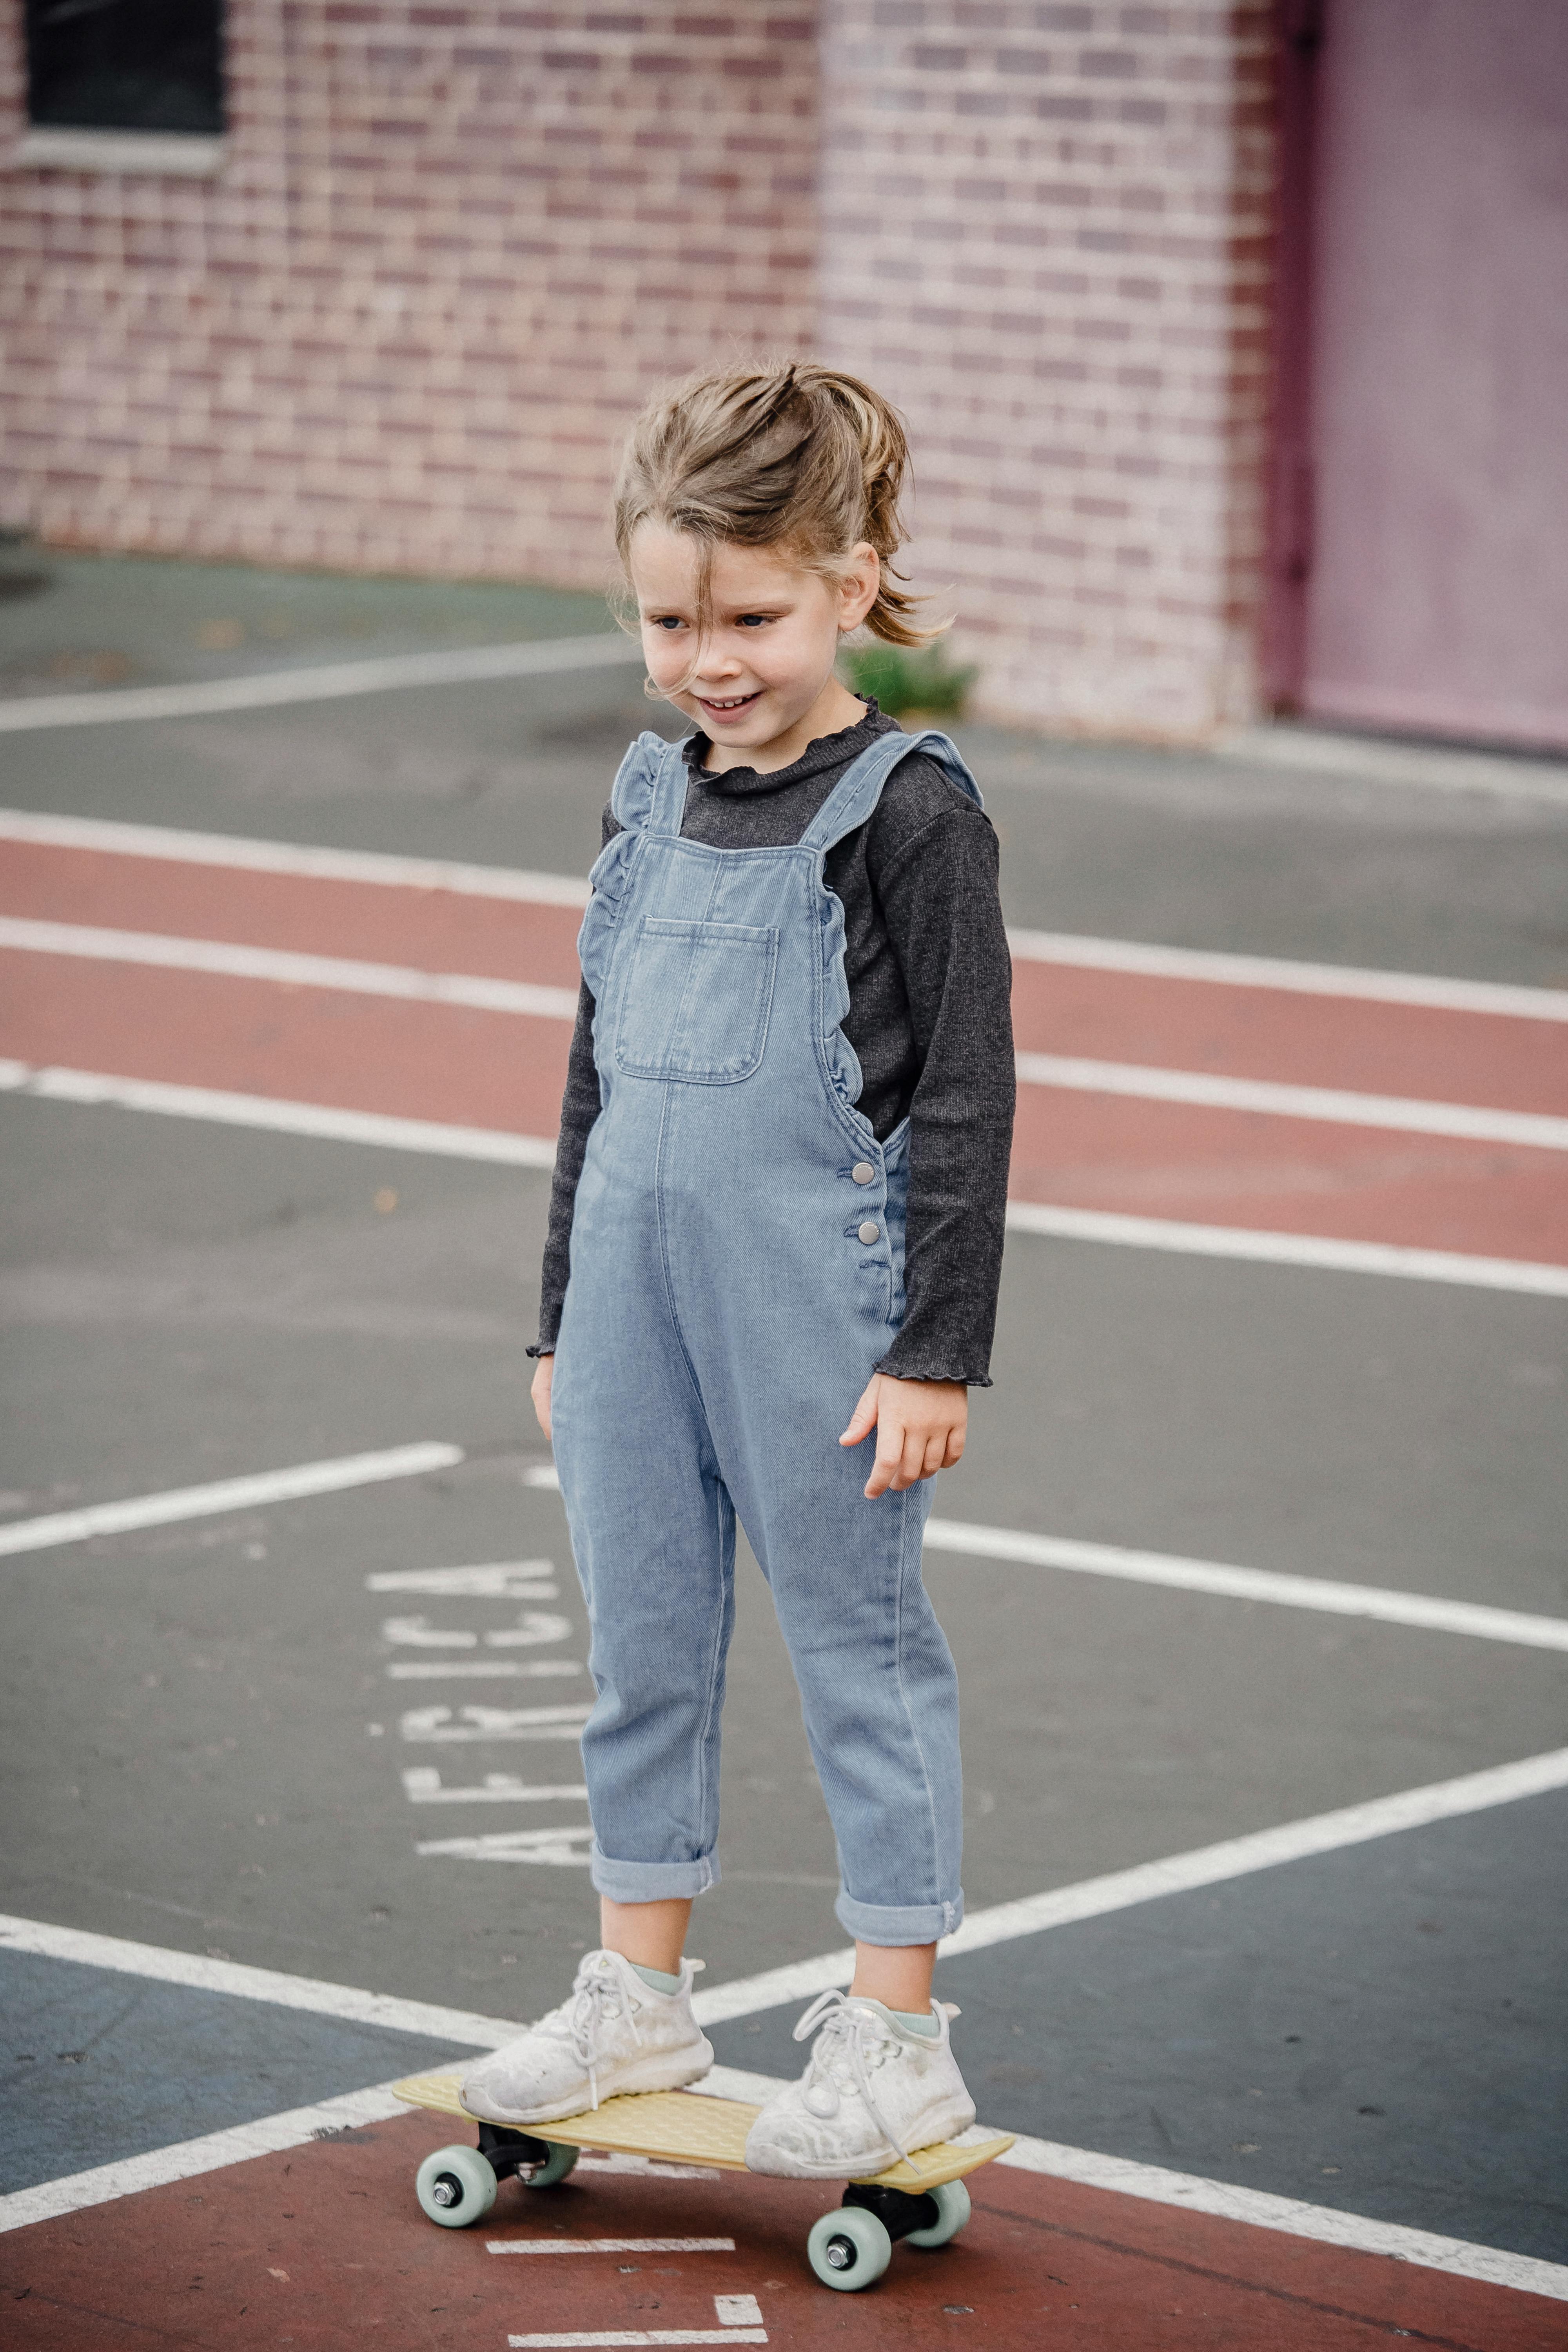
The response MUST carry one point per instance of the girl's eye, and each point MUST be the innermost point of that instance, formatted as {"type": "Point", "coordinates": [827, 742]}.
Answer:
{"type": "Point", "coordinates": [668, 621]}
{"type": "Point", "coordinates": [753, 621]}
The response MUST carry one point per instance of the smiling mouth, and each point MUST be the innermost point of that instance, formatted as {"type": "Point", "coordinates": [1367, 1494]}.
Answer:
{"type": "Point", "coordinates": [730, 704]}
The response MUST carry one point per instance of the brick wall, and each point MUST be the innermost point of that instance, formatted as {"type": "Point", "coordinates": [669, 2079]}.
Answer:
{"type": "Point", "coordinates": [1046, 233]}
{"type": "Point", "coordinates": [450, 248]}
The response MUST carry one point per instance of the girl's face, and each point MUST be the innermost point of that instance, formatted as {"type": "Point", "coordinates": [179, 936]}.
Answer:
{"type": "Point", "coordinates": [759, 683]}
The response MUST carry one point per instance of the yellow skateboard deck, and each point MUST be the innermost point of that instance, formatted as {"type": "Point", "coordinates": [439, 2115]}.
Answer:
{"type": "Point", "coordinates": [687, 2127]}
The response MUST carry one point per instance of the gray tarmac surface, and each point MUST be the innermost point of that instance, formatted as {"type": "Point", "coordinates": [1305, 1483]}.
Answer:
{"type": "Point", "coordinates": [199, 1742]}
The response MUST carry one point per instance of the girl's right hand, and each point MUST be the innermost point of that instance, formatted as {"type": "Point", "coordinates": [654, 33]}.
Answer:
{"type": "Point", "coordinates": [543, 1371]}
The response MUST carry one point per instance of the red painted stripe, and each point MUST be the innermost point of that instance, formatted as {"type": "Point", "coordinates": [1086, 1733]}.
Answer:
{"type": "Point", "coordinates": [1289, 1175]}
{"type": "Point", "coordinates": [1486, 1058]}
{"type": "Point", "coordinates": [433, 930]}
{"type": "Point", "coordinates": [301, 1044]}
{"type": "Point", "coordinates": [1443, 1057]}
{"type": "Point", "coordinates": [507, 1071]}
{"type": "Point", "coordinates": [326, 2245]}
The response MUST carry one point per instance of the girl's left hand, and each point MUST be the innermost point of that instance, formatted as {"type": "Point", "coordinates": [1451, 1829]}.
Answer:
{"type": "Point", "coordinates": [919, 1427]}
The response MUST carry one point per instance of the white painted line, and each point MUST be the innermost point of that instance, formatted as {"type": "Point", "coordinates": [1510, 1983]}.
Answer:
{"type": "Point", "coordinates": [1335, 1105]}
{"type": "Point", "coordinates": [573, 2339]}
{"type": "Point", "coordinates": [1210, 1865]}
{"type": "Point", "coordinates": [227, 1495]}
{"type": "Point", "coordinates": [737, 2310]}
{"type": "Point", "coordinates": [201, 1973]}
{"type": "Point", "coordinates": [1317, 1251]}
{"type": "Point", "coordinates": [106, 836]}
{"type": "Point", "coordinates": [422, 1786]}
{"type": "Point", "coordinates": [281, 1118]}
{"type": "Point", "coordinates": [426, 1670]}
{"type": "Point", "coordinates": [271, 689]}
{"type": "Point", "coordinates": [270, 2135]}
{"type": "Point", "coordinates": [534, 1628]}
{"type": "Point", "coordinates": [556, 1849]}
{"type": "Point", "coordinates": [1374, 758]}
{"type": "Point", "coordinates": [1321, 2223]}
{"type": "Point", "coordinates": [545, 1475]}
{"type": "Point", "coordinates": [610, 2246]}
{"type": "Point", "coordinates": [1506, 998]}
{"type": "Point", "coordinates": [500, 1579]}
{"type": "Point", "coordinates": [491, 1144]}
{"type": "Point", "coordinates": [228, 962]}
{"type": "Point", "coordinates": [439, 1725]}
{"type": "Point", "coordinates": [110, 836]}
{"type": "Point", "coordinates": [1390, 1607]}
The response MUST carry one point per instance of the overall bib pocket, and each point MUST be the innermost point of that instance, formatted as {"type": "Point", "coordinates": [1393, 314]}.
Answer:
{"type": "Point", "coordinates": [697, 1000]}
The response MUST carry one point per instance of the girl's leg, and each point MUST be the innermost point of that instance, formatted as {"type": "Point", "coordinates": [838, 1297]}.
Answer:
{"type": "Point", "coordinates": [898, 1975]}
{"type": "Point", "coordinates": [650, 1935]}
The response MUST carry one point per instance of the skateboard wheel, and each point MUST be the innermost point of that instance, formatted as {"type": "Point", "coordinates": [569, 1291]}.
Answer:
{"type": "Point", "coordinates": [554, 2168]}
{"type": "Point", "coordinates": [951, 2201]}
{"type": "Point", "coordinates": [456, 2187]}
{"type": "Point", "coordinates": [849, 2249]}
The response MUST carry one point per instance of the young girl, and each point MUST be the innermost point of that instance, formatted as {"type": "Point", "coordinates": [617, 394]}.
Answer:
{"type": "Point", "coordinates": [781, 1189]}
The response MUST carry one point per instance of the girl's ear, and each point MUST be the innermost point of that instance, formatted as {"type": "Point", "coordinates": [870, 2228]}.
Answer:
{"type": "Point", "coordinates": [857, 585]}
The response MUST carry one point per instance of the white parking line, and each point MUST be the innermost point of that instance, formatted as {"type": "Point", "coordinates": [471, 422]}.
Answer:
{"type": "Point", "coordinates": [422, 1786]}
{"type": "Point", "coordinates": [1324, 2225]}
{"type": "Point", "coordinates": [1336, 1106]}
{"type": "Point", "coordinates": [226, 960]}
{"type": "Point", "coordinates": [227, 1495]}
{"type": "Point", "coordinates": [107, 836]}
{"type": "Point", "coordinates": [1390, 1607]}
{"type": "Point", "coordinates": [271, 689]}
{"type": "Point", "coordinates": [127, 2177]}
{"type": "Point", "coordinates": [1318, 1252]}
{"type": "Point", "coordinates": [1211, 1865]}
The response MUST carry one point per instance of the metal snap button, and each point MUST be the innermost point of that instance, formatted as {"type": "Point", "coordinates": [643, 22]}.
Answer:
{"type": "Point", "coordinates": [863, 1172]}
{"type": "Point", "coordinates": [868, 1231]}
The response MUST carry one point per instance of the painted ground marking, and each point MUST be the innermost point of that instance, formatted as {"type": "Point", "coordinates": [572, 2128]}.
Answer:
{"type": "Point", "coordinates": [422, 1785]}
{"type": "Point", "coordinates": [287, 966]}
{"type": "Point", "coordinates": [565, 1849]}
{"type": "Point", "coordinates": [271, 689]}
{"type": "Point", "coordinates": [503, 1147]}
{"type": "Point", "coordinates": [177, 1503]}
{"type": "Point", "coordinates": [1425, 1610]}
{"type": "Point", "coordinates": [1084, 951]}
{"type": "Point", "coordinates": [1210, 1865]}
{"type": "Point", "coordinates": [610, 2245]}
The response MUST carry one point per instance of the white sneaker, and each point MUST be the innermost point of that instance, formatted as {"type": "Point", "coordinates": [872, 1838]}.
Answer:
{"type": "Point", "coordinates": [614, 2034]}
{"type": "Point", "coordinates": [872, 2093]}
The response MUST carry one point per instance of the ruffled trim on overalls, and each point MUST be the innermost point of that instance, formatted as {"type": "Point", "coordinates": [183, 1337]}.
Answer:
{"type": "Point", "coordinates": [631, 805]}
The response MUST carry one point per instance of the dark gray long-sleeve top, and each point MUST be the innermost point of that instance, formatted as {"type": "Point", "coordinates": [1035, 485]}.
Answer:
{"type": "Point", "coordinates": [930, 983]}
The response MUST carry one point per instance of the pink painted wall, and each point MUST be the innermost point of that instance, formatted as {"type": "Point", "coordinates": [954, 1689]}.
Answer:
{"type": "Point", "coordinates": [1437, 597]}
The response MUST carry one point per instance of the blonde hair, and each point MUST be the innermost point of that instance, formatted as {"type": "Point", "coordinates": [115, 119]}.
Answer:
{"type": "Point", "coordinates": [795, 456]}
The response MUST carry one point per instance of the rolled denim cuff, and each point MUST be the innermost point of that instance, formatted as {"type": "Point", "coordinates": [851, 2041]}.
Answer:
{"type": "Point", "coordinates": [652, 1882]}
{"type": "Point", "coordinates": [885, 1923]}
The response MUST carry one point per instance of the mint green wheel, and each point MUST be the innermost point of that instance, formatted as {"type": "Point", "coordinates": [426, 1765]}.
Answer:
{"type": "Point", "coordinates": [456, 2187]}
{"type": "Point", "coordinates": [849, 2249]}
{"type": "Point", "coordinates": [554, 2168]}
{"type": "Point", "coordinates": [951, 2202]}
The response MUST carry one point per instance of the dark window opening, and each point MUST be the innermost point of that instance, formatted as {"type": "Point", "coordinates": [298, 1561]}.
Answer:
{"type": "Point", "coordinates": [125, 64]}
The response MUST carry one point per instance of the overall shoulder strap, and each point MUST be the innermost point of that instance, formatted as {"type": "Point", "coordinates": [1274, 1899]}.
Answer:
{"type": "Point", "coordinates": [649, 792]}
{"type": "Point", "coordinates": [859, 788]}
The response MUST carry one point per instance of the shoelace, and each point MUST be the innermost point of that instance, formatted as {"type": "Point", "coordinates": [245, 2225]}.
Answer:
{"type": "Point", "coordinates": [598, 2000]}
{"type": "Point", "coordinates": [843, 2029]}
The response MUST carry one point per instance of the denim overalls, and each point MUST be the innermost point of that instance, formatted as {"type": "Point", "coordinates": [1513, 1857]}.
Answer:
{"type": "Point", "coordinates": [737, 1273]}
